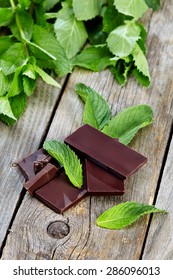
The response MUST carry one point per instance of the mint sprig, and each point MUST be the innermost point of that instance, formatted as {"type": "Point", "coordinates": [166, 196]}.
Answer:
{"type": "Point", "coordinates": [123, 126]}
{"type": "Point", "coordinates": [68, 159]}
{"type": "Point", "coordinates": [124, 214]}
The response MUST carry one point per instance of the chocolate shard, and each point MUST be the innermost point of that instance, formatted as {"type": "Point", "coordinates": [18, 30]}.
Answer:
{"type": "Point", "coordinates": [26, 165]}
{"type": "Point", "coordinates": [105, 151]}
{"type": "Point", "coordinates": [48, 173]}
{"type": "Point", "coordinates": [59, 194]}
{"type": "Point", "coordinates": [101, 181]}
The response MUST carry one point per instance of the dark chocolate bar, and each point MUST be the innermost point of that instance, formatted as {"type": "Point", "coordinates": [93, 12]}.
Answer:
{"type": "Point", "coordinates": [105, 151]}
{"type": "Point", "coordinates": [48, 173]}
{"type": "Point", "coordinates": [102, 182]}
{"type": "Point", "coordinates": [59, 194]}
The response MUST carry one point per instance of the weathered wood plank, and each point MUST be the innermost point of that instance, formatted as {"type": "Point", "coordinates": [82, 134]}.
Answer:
{"type": "Point", "coordinates": [159, 243]}
{"type": "Point", "coordinates": [29, 238]}
{"type": "Point", "coordinates": [19, 140]}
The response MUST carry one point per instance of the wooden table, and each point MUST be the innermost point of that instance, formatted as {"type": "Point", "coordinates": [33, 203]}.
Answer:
{"type": "Point", "coordinates": [30, 230]}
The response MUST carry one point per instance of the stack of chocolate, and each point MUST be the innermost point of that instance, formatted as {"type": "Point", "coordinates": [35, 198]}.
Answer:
{"type": "Point", "coordinates": [106, 164]}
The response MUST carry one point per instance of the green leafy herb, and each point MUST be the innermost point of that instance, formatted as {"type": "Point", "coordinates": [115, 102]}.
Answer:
{"type": "Point", "coordinates": [125, 214]}
{"type": "Point", "coordinates": [127, 123]}
{"type": "Point", "coordinates": [39, 36]}
{"type": "Point", "coordinates": [67, 158]}
{"type": "Point", "coordinates": [96, 111]}
{"type": "Point", "coordinates": [123, 126]}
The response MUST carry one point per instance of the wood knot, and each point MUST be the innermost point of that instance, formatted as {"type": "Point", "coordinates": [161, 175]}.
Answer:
{"type": "Point", "coordinates": [58, 229]}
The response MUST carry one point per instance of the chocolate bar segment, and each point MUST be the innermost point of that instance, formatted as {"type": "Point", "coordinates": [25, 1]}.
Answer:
{"type": "Point", "coordinates": [105, 151]}
{"type": "Point", "coordinates": [48, 173]}
{"type": "Point", "coordinates": [59, 194]}
{"type": "Point", "coordinates": [101, 181]}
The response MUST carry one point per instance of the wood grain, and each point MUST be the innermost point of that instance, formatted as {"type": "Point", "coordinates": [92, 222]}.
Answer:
{"type": "Point", "coordinates": [159, 245]}
{"type": "Point", "coordinates": [85, 240]}
{"type": "Point", "coordinates": [17, 142]}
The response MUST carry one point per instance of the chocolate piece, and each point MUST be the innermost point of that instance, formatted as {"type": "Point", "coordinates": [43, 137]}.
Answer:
{"type": "Point", "coordinates": [41, 162]}
{"type": "Point", "coordinates": [27, 164]}
{"type": "Point", "coordinates": [59, 194]}
{"type": "Point", "coordinates": [105, 151]}
{"type": "Point", "coordinates": [102, 182]}
{"type": "Point", "coordinates": [48, 173]}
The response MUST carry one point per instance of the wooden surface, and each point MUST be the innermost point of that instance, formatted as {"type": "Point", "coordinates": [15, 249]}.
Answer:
{"type": "Point", "coordinates": [30, 230]}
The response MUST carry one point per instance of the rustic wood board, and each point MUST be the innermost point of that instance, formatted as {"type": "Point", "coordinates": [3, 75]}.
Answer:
{"type": "Point", "coordinates": [18, 141]}
{"type": "Point", "coordinates": [37, 231]}
{"type": "Point", "coordinates": [159, 243]}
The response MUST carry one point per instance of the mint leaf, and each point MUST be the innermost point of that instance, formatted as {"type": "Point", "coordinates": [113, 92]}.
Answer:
{"type": "Point", "coordinates": [95, 58]}
{"type": "Point", "coordinates": [5, 108]}
{"type": "Point", "coordinates": [50, 4]}
{"type": "Point", "coordinates": [6, 15]}
{"type": "Point", "coordinates": [70, 32]}
{"type": "Point", "coordinates": [121, 70]}
{"type": "Point", "coordinates": [143, 80]}
{"type": "Point", "coordinates": [28, 85]}
{"type": "Point", "coordinates": [134, 8]}
{"type": "Point", "coordinates": [122, 39]}
{"type": "Point", "coordinates": [112, 19]}
{"type": "Point", "coordinates": [154, 4]}
{"type": "Point", "coordinates": [48, 79]}
{"type": "Point", "coordinates": [16, 85]}
{"type": "Point", "coordinates": [46, 42]}
{"type": "Point", "coordinates": [14, 57]}
{"type": "Point", "coordinates": [124, 214]}
{"type": "Point", "coordinates": [127, 123]}
{"type": "Point", "coordinates": [5, 43]}
{"type": "Point", "coordinates": [4, 83]}
{"type": "Point", "coordinates": [140, 61]}
{"type": "Point", "coordinates": [24, 19]}
{"type": "Point", "coordinates": [88, 9]}
{"type": "Point", "coordinates": [25, 3]}
{"type": "Point", "coordinates": [67, 157]}
{"type": "Point", "coordinates": [96, 111]}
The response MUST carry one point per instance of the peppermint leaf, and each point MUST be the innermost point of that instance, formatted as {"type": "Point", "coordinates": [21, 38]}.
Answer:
{"type": "Point", "coordinates": [5, 108]}
{"type": "Point", "coordinates": [4, 83]}
{"type": "Point", "coordinates": [48, 79]}
{"type": "Point", "coordinates": [134, 8]}
{"type": "Point", "coordinates": [14, 57]}
{"type": "Point", "coordinates": [67, 157]}
{"type": "Point", "coordinates": [6, 15]}
{"type": "Point", "coordinates": [122, 39]}
{"type": "Point", "coordinates": [125, 214]}
{"type": "Point", "coordinates": [95, 58]}
{"type": "Point", "coordinates": [26, 24]}
{"type": "Point", "coordinates": [140, 61]}
{"type": "Point", "coordinates": [70, 32]}
{"type": "Point", "coordinates": [143, 80]}
{"type": "Point", "coordinates": [96, 111]}
{"type": "Point", "coordinates": [121, 70]}
{"type": "Point", "coordinates": [88, 9]}
{"type": "Point", "coordinates": [127, 123]}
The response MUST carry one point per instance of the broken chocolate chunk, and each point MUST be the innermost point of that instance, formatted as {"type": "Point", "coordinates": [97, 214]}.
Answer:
{"type": "Point", "coordinates": [48, 173]}
{"type": "Point", "coordinates": [59, 194]}
{"type": "Point", "coordinates": [101, 181]}
{"type": "Point", "coordinates": [105, 151]}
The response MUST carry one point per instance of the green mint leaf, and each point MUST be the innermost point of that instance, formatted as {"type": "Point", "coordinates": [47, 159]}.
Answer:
{"type": "Point", "coordinates": [50, 4]}
{"type": "Point", "coordinates": [112, 19]}
{"type": "Point", "coordinates": [140, 61]}
{"type": "Point", "coordinates": [25, 3]}
{"type": "Point", "coordinates": [67, 157]}
{"type": "Point", "coordinates": [5, 43]}
{"type": "Point", "coordinates": [29, 71]}
{"type": "Point", "coordinates": [5, 108]}
{"type": "Point", "coordinates": [122, 39]}
{"type": "Point", "coordinates": [16, 85]}
{"type": "Point", "coordinates": [4, 83]}
{"type": "Point", "coordinates": [46, 42]}
{"type": "Point", "coordinates": [95, 58]}
{"type": "Point", "coordinates": [48, 79]}
{"type": "Point", "coordinates": [88, 9]}
{"type": "Point", "coordinates": [28, 85]}
{"type": "Point", "coordinates": [25, 22]}
{"type": "Point", "coordinates": [121, 70]}
{"type": "Point", "coordinates": [143, 36]}
{"type": "Point", "coordinates": [124, 214]}
{"type": "Point", "coordinates": [96, 111]}
{"type": "Point", "coordinates": [134, 8]}
{"type": "Point", "coordinates": [6, 15]}
{"type": "Point", "coordinates": [154, 4]}
{"type": "Point", "coordinates": [70, 32]}
{"type": "Point", "coordinates": [142, 80]}
{"type": "Point", "coordinates": [127, 123]}
{"type": "Point", "coordinates": [14, 57]}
